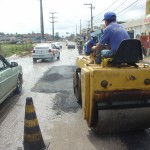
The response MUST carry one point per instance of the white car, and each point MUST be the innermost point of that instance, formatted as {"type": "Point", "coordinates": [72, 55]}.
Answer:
{"type": "Point", "coordinates": [57, 44]}
{"type": "Point", "coordinates": [45, 51]}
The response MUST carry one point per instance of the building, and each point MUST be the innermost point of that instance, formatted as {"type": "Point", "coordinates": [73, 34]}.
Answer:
{"type": "Point", "coordinates": [140, 28]}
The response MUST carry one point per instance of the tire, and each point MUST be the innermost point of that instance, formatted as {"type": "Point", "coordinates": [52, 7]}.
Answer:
{"type": "Point", "coordinates": [19, 85]}
{"type": "Point", "coordinates": [53, 58]}
{"type": "Point", "coordinates": [34, 60]}
{"type": "Point", "coordinates": [77, 85]}
{"type": "Point", "coordinates": [58, 57]}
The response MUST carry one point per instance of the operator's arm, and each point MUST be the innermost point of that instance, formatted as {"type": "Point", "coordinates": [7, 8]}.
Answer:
{"type": "Point", "coordinates": [103, 41]}
{"type": "Point", "coordinates": [97, 47]}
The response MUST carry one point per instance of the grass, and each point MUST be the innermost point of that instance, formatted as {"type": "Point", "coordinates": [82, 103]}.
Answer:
{"type": "Point", "coordinates": [9, 49]}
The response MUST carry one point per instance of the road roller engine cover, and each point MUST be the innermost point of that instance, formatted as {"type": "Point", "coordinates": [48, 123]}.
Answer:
{"type": "Point", "coordinates": [115, 94]}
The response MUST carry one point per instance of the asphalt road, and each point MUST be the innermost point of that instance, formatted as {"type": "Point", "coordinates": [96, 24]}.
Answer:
{"type": "Point", "coordinates": [59, 115]}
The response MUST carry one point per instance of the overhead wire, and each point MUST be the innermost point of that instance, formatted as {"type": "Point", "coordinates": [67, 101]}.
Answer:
{"type": "Point", "coordinates": [120, 12]}
{"type": "Point", "coordinates": [119, 6]}
{"type": "Point", "coordinates": [128, 6]}
{"type": "Point", "coordinates": [106, 8]}
{"type": "Point", "coordinates": [124, 8]}
{"type": "Point", "coordinates": [123, 12]}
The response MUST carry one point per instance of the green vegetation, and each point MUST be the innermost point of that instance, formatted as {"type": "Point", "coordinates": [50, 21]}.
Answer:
{"type": "Point", "coordinates": [20, 49]}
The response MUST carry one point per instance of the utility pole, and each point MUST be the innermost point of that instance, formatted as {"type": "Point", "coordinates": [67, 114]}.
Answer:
{"type": "Point", "coordinates": [41, 20]}
{"type": "Point", "coordinates": [53, 23]}
{"type": "Point", "coordinates": [80, 27]}
{"type": "Point", "coordinates": [91, 7]}
{"type": "Point", "coordinates": [89, 28]}
{"type": "Point", "coordinates": [76, 31]}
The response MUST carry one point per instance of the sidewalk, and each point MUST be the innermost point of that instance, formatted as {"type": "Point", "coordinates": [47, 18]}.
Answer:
{"type": "Point", "coordinates": [146, 60]}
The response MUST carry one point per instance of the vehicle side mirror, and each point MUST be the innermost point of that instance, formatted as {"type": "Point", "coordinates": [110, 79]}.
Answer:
{"type": "Point", "coordinates": [14, 64]}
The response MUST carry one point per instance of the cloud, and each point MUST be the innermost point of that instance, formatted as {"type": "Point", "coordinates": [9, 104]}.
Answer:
{"type": "Point", "coordinates": [23, 16]}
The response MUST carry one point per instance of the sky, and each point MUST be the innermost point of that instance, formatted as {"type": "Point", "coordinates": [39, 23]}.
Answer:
{"type": "Point", "coordinates": [23, 16]}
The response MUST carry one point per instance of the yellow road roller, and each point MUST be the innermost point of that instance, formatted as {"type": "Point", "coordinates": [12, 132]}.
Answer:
{"type": "Point", "coordinates": [115, 94]}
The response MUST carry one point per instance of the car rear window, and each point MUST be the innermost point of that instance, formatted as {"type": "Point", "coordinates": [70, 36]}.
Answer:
{"type": "Point", "coordinates": [41, 47]}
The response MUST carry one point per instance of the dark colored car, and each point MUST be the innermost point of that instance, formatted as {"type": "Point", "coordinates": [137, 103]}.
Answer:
{"type": "Point", "coordinates": [71, 45]}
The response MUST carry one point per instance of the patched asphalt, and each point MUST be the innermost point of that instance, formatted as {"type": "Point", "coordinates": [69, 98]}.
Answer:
{"type": "Point", "coordinates": [59, 80]}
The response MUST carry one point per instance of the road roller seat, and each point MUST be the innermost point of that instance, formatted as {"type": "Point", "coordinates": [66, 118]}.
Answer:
{"type": "Point", "coordinates": [129, 51]}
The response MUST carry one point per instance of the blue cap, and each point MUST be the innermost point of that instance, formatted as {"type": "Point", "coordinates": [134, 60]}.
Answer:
{"type": "Point", "coordinates": [109, 16]}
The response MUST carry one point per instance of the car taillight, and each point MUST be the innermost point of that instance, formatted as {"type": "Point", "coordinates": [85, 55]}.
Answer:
{"type": "Point", "coordinates": [49, 50]}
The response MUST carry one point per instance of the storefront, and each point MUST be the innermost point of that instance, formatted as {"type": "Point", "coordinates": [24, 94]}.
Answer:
{"type": "Point", "coordinates": [141, 30]}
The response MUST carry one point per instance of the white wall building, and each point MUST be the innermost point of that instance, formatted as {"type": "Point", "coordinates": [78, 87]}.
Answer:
{"type": "Point", "coordinates": [139, 26]}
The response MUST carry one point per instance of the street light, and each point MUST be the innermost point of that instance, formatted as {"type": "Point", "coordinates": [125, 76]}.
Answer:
{"type": "Point", "coordinates": [91, 7]}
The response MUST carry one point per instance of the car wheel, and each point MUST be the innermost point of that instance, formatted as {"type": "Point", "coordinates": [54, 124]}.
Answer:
{"type": "Point", "coordinates": [58, 57]}
{"type": "Point", "coordinates": [19, 85]}
{"type": "Point", "coordinates": [34, 60]}
{"type": "Point", "coordinates": [53, 58]}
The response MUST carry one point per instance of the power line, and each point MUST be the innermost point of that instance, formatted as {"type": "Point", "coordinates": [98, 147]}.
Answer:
{"type": "Point", "coordinates": [96, 22]}
{"type": "Point", "coordinates": [128, 6]}
{"type": "Point", "coordinates": [119, 5]}
{"type": "Point", "coordinates": [124, 8]}
{"type": "Point", "coordinates": [106, 8]}
{"type": "Point", "coordinates": [131, 7]}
